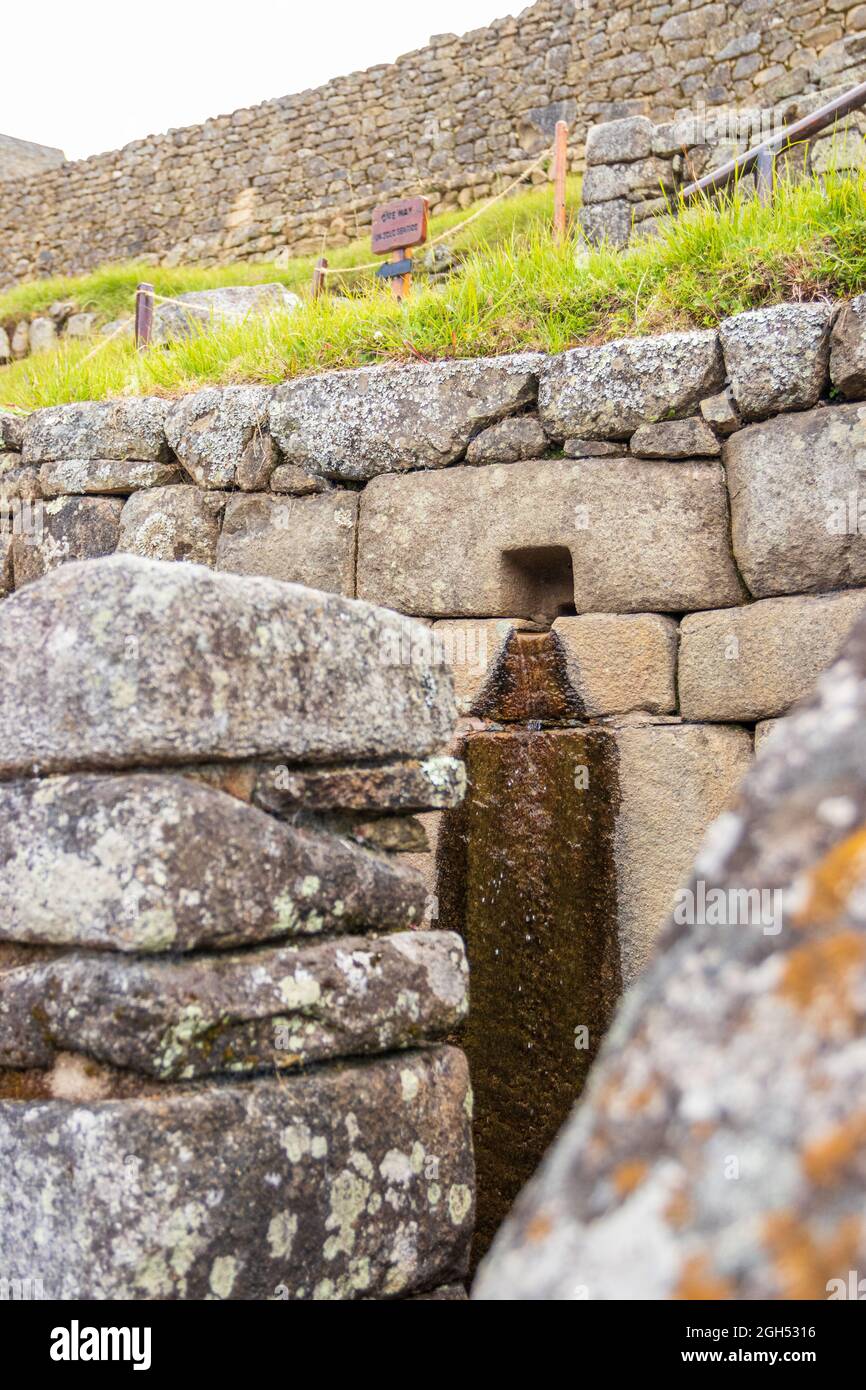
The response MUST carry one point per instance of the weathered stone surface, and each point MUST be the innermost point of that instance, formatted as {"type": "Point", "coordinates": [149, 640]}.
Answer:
{"type": "Point", "coordinates": [743, 1039]}
{"type": "Point", "coordinates": [619, 662]}
{"type": "Point", "coordinates": [755, 662]}
{"type": "Point", "coordinates": [207, 310]}
{"type": "Point", "coordinates": [617, 142]}
{"type": "Point", "coordinates": [603, 183]}
{"type": "Point", "coordinates": [721, 412]}
{"type": "Point", "coordinates": [73, 528]}
{"type": "Point", "coordinates": [410, 785]}
{"type": "Point", "coordinates": [673, 780]}
{"type": "Point", "coordinates": [43, 334]}
{"type": "Point", "coordinates": [777, 358]}
{"type": "Point", "coordinates": [795, 508]}
{"type": "Point", "coordinates": [344, 1182]}
{"type": "Point", "coordinates": [592, 449]}
{"type": "Point", "coordinates": [172, 523]}
{"type": "Point", "coordinates": [302, 540]}
{"type": "Point", "coordinates": [156, 863]}
{"type": "Point", "coordinates": [6, 571]}
{"type": "Point", "coordinates": [607, 222]}
{"type": "Point", "coordinates": [5, 346]}
{"type": "Point", "coordinates": [74, 476]}
{"type": "Point", "coordinates": [508, 441]}
{"type": "Point", "coordinates": [356, 424]}
{"type": "Point", "coordinates": [80, 325]}
{"type": "Point", "coordinates": [17, 481]}
{"type": "Point", "coordinates": [275, 1007]}
{"type": "Point", "coordinates": [640, 537]}
{"type": "Point", "coordinates": [11, 432]}
{"type": "Point", "coordinates": [607, 392]}
{"type": "Point", "coordinates": [128, 429]}
{"type": "Point", "coordinates": [21, 340]}
{"type": "Point", "coordinates": [675, 439]}
{"type": "Point", "coordinates": [221, 436]}
{"type": "Point", "coordinates": [297, 481]}
{"type": "Point", "coordinates": [194, 665]}
{"type": "Point", "coordinates": [848, 349]}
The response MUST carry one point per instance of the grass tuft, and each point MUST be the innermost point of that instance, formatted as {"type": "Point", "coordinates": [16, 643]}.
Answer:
{"type": "Point", "coordinates": [515, 290]}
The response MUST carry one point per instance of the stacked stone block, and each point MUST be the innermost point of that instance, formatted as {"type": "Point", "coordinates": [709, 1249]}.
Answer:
{"type": "Point", "coordinates": [219, 1007]}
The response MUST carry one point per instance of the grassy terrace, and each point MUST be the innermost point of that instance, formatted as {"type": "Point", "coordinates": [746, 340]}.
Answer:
{"type": "Point", "coordinates": [514, 290]}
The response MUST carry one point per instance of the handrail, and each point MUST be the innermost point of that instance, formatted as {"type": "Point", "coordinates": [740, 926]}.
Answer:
{"type": "Point", "coordinates": [761, 156]}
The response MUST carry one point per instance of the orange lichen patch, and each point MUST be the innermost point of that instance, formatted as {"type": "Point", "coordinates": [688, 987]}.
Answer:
{"type": "Point", "coordinates": [539, 1228]}
{"type": "Point", "coordinates": [678, 1211]}
{"type": "Point", "coordinates": [629, 1175]}
{"type": "Point", "coordinates": [832, 881]}
{"type": "Point", "coordinates": [826, 1159]}
{"type": "Point", "coordinates": [806, 1263]}
{"type": "Point", "coordinates": [697, 1282]}
{"type": "Point", "coordinates": [816, 978]}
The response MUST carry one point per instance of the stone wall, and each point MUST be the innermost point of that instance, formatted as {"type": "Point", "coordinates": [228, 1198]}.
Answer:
{"type": "Point", "coordinates": [220, 1015]}
{"type": "Point", "coordinates": [20, 158]}
{"type": "Point", "coordinates": [453, 120]}
{"type": "Point", "coordinates": [636, 557]}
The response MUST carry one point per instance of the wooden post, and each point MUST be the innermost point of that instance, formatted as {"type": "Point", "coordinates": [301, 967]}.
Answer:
{"type": "Point", "coordinates": [143, 314]}
{"type": "Point", "coordinates": [560, 169]}
{"type": "Point", "coordinates": [401, 285]}
{"type": "Point", "coordinates": [318, 278]}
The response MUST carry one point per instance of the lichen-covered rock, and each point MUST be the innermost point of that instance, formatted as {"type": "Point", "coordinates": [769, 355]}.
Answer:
{"type": "Point", "coordinates": [618, 662]}
{"type": "Point", "coordinates": [138, 662]}
{"type": "Point", "coordinates": [607, 223]}
{"type": "Point", "coordinates": [157, 863]}
{"type": "Point", "coordinates": [719, 1152]}
{"type": "Point", "coordinates": [508, 441]}
{"type": "Point", "coordinates": [618, 142]}
{"type": "Point", "coordinates": [339, 1183]}
{"type": "Point", "coordinates": [756, 662]}
{"type": "Point", "coordinates": [291, 478]}
{"type": "Point", "coordinates": [607, 392]}
{"type": "Point", "coordinates": [356, 424]}
{"type": "Point", "coordinates": [301, 540]}
{"type": "Point", "coordinates": [848, 349]}
{"type": "Point", "coordinates": [68, 528]}
{"type": "Point", "coordinates": [18, 481]}
{"type": "Point", "coordinates": [593, 449]}
{"type": "Point", "coordinates": [411, 785]}
{"type": "Point", "coordinates": [721, 412]}
{"type": "Point", "coordinates": [132, 428]}
{"type": "Point", "coordinates": [675, 439]}
{"type": "Point", "coordinates": [275, 1007]}
{"type": "Point", "coordinates": [796, 517]}
{"type": "Point", "coordinates": [221, 436]}
{"type": "Point", "coordinates": [11, 432]}
{"type": "Point", "coordinates": [75, 476]}
{"type": "Point", "coordinates": [609, 535]}
{"type": "Point", "coordinates": [7, 578]}
{"type": "Point", "coordinates": [634, 180]}
{"type": "Point", "coordinates": [207, 310]}
{"type": "Point", "coordinates": [180, 522]}
{"type": "Point", "coordinates": [778, 357]}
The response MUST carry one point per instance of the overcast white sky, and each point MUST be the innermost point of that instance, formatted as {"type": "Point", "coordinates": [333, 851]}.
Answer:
{"type": "Point", "coordinates": [102, 73]}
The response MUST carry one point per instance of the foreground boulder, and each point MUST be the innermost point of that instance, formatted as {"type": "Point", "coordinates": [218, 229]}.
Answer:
{"type": "Point", "coordinates": [719, 1151]}
{"type": "Point", "coordinates": [142, 662]}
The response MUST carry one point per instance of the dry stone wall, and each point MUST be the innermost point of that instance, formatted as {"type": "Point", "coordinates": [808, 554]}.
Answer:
{"type": "Point", "coordinates": [221, 1070]}
{"type": "Point", "coordinates": [635, 557]}
{"type": "Point", "coordinates": [454, 120]}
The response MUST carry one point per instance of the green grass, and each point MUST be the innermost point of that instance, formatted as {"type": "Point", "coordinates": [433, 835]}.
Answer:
{"type": "Point", "coordinates": [515, 290]}
{"type": "Point", "coordinates": [109, 291]}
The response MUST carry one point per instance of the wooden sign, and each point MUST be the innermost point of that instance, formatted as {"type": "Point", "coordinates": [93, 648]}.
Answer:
{"type": "Point", "coordinates": [399, 225]}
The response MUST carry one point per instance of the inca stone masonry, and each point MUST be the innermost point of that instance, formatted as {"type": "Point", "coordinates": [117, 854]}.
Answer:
{"type": "Point", "coordinates": [453, 120]}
